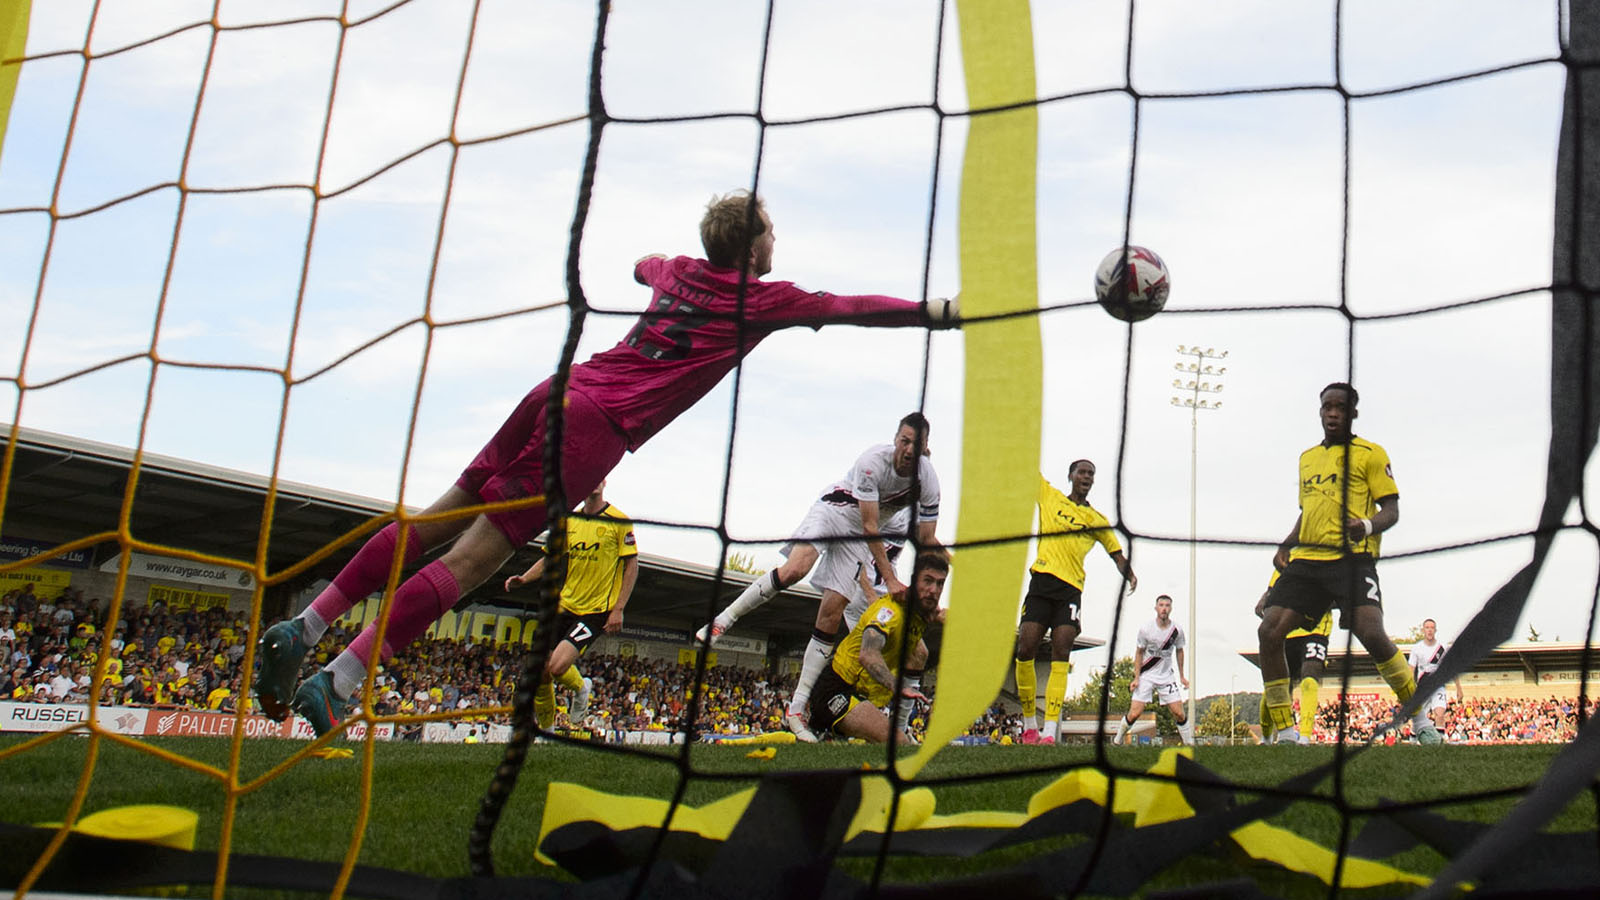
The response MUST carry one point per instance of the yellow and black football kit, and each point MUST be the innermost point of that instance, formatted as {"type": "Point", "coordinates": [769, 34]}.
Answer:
{"type": "Point", "coordinates": [1306, 645]}
{"type": "Point", "coordinates": [1067, 531]}
{"type": "Point", "coordinates": [1326, 570]}
{"type": "Point", "coordinates": [846, 681]}
{"type": "Point", "coordinates": [596, 549]}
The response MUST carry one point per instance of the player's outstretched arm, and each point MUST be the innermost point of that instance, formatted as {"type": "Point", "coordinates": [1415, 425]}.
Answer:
{"type": "Point", "coordinates": [880, 557]}
{"type": "Point", "coordinates": [801, 307]}
{"type": "Point", "coordinates": [871, 656]}
{"type": "Point", "coordinates": [533, 573]}
{"type": "Point", "coordinates": [928, 541]}
{"type": "Point", "coordinates": [630, 576]}
{"type": "Point", "coordinates": [865, 580]}
{"type": "Point", "coordinates": [1126, 568]}
{"type": "Point", "coordinates": [639, 266]}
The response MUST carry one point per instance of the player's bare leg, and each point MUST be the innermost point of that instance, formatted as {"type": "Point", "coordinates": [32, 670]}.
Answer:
{"type": "Point", "coordinates": [802, 557]}
{"type": "Point", "coordinates": [544, 698]}
{"type": "Point", "coordinates": [1185, 727]}
{"type": "Point", "coordinates": [1135, 710]}
{"type": "Point", "coordinates": [868, 723]}
{"type": "Point", "coordinates": [1392, 664]}
{"type": "Point", "coordinates": [433, 590]}
{"type": "Point", "coordinates": [818, 654]}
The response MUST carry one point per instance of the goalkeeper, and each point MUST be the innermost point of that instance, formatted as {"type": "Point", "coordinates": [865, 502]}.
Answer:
{"type": "Point", "coordinates": [704, 316]}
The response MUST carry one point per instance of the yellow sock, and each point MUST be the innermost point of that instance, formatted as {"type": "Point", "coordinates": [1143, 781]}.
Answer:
{"type": "Point", "coordinates": [544, 705]}
{"type": "Point", "coordinates": [1055, 690]}
{"type": "Point", "coordinates": [1397, 671]}
{"type": "Point", "coordinates": [1308, 705]}
{"type": "Point", "coordinates": [1279, 705]}
{"type": "Point", "coordinates": [571, 679]}
{"type": "Point", "coordinates": [1027, 688]}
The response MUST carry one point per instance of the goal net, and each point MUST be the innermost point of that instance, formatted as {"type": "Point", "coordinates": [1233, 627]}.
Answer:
{"type": "Point", "coordinates": [334, 242]}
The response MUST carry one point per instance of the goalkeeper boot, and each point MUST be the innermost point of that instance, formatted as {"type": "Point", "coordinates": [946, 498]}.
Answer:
{"type": "Point", "coordinates": [580, 702]}
{"type": "Point", "coordinates": [1030, 736]}
{"type": "Point", "coordinates": [317, 701]}
{"type": "Point", "coordinates": [283, 648]}
{"type": "Point", "coordinates": [1429, 735]}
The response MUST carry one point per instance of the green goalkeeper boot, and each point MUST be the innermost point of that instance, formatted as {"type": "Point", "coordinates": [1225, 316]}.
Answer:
{"type": "Point", "coordinates": [316, 700]}
{"type": "Point", "coordinates": [282, 649]}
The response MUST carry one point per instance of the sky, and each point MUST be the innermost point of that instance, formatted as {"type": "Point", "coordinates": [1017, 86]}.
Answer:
{"type": "Point", "coordinates": [1449, 200]}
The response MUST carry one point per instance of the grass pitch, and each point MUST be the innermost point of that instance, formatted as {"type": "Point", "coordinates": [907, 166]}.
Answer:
{"type": "Point", "coordinates": [425, 796]}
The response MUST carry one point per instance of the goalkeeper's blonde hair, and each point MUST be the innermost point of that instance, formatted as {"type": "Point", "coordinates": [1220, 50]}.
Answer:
{"type": "Point", "coordinates": [730, 228]}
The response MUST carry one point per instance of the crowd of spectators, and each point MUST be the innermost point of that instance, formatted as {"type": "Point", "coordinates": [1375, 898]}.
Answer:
{"type": "Point", "coordinates": [1476, 720]}
{"type": "Point", "coordinates": [192, 659]}
{"type": "Point", "coordinates": [49, 646]}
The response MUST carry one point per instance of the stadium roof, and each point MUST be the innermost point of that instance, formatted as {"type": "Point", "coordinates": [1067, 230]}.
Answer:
{"type": "Point", "coordinates": [66, 488]}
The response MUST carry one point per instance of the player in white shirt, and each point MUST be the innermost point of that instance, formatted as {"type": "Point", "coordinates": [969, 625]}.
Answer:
{"type": "Point", "coordinates": [1158, 671]}
{"type": "Point", "coordinates": [1425, 656]}
{"type": "Point", "coordinates": [844, 521]}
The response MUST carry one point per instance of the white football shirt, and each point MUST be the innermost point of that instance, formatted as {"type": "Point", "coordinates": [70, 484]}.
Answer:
{"type": "Point", "coordinates": [1160, 646]}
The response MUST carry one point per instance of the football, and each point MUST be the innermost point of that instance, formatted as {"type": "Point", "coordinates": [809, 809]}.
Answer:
{"type": "Point", "coordinates": [1133, 288]}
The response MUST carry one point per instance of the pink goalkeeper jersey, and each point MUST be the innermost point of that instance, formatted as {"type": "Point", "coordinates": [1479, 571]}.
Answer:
{"type": "Point", "coordinates": [690, 337]}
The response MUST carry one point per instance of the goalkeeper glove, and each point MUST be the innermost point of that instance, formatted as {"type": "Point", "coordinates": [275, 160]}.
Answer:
{"type": "Point", "coordinates": [945, 313]}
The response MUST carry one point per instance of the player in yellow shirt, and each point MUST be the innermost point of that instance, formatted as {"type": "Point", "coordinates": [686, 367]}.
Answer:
{"type": "Point", "coordinates": [1348, 499]}
{"type": "Point", "coordinates": [1068, 528]}
{"type": "Point", "coordinates": [1306, 651]}
{"type": "Point", "coordinates": [867, 662]}
{"type": "Point", "coordinates": [602, 566]}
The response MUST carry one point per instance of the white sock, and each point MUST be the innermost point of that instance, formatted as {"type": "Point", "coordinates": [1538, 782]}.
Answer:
{"type": "Point", "coordinates": [1122, 729]}
{"type": "Point", "coordinates": [903, 718]}
{"type": "Point", "coordinates": [756, 593]}
{"type": "Point", "coordinates": [312, 626]}
{"type": "Point", "coordinates": [1030, 722]}
{"type": "Point", "coordinates": [348, 673]}
{"type": "Point", "coordinates": [1186, 732]}
{"type": "Point", "coordinates": [818, 654]}
{"type": "Point", "coordinates": [1050, 728]}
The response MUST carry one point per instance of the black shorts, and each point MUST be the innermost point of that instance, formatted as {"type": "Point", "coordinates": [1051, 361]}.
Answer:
{"type": "Point", "coordinates": [580, 631]}
{"type": "Point", "coordinates": [832, 698]}
{"type": "Point", "coordinates": [1307, 648]}
{"type": "Point", "coordinates": [1311, 587]}
{"type": "Point", "coordinates": [1051, 602]}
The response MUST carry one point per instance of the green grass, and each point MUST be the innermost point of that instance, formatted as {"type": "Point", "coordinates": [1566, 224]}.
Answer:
{"type": "Point", "coordinates": [426, 796]}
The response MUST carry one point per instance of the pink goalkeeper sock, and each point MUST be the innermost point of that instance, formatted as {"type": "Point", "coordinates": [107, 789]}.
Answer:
{"type": "Point", "coordinates": [366, 572]}
{"type": "Point", "coordinates": [423, 598]}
